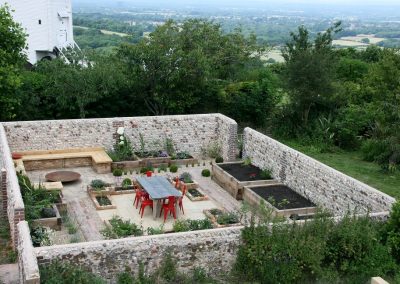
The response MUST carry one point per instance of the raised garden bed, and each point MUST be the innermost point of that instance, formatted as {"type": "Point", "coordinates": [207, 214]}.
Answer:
{"type": "Point", "coordinates": [183, 158]}
{"type": "Point", "coordinates": [102, 202]}
{"type": "Point", "coordinates": [152, 158]}
{"type": "Point", "coordinates": [221, 218]}
{"type": "Point", "coordinates": [191, 185]}
{"type": "Point", "coordinates": [227, 174]}
{"type": "Point", "coordinates": [123, 190]}
{"type": "Point", "coordinates": [126, 165]}
{"type": "Point", "coordinates": [50, 218]}
{"type": "Point", "coordinates": [282, 199]}
{"type": "Point", "coordinates": [194, 194]}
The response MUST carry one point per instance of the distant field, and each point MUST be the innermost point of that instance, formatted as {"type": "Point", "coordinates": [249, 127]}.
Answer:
{"type": "Point", "coordinates": [356, 41]}
{"type": "Point", "coordinates": [106, 32]}
{"type": "Point", "coordinates": [275, 54]}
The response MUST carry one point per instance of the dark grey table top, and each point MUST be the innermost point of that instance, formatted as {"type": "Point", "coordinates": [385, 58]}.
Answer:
{"type": "Point", "coordinates": [158, 187]}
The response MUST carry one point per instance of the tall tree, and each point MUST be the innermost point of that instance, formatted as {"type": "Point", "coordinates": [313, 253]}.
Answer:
{"type": "Point", "coordinates": [12, 44]}
{"type": "Point", "coordinates": [309, 70]}
{"type": "Point", "coordinates": [174, 68]}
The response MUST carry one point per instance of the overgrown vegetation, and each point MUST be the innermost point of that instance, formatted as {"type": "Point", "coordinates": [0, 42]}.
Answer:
{"type": "Point", "coordinates": [351, 250]}
{"type": "Point", "coordinates": [121, 229]}
{"type": "Point", "coordinates": [184, 225]}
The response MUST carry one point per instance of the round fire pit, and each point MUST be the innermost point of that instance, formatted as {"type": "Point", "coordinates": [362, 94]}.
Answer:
{"type": "Point", "coordinates": [63, 176]}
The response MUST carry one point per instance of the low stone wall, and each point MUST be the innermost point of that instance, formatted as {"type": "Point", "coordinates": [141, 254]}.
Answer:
{"type": "Point", "coordinates": [214, 250]}
{"type": "Point", "coordinates": [321, 184]}
{"type": "Point", "coordinates": [12, 204]}
{"type": "Point", "coordinates": [188, 132]}
{"type": "Point", "coordinates": [27, 263]}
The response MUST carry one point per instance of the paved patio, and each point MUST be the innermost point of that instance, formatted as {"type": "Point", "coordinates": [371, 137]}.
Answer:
{"type": "Point", "coordinates": [91, 221]}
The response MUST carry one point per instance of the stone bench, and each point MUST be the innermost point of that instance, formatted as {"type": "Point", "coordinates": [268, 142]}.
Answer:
{"type": "Point", "coordinates": [67, 158]}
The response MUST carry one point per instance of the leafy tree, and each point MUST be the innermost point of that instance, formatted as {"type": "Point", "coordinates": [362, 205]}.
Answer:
{"type": "Point", "coordinates": [12, 44]}
{"type": "Point", "coordinates": [179, 65]}
{"type": "Point", "coordinates": [309, 70]}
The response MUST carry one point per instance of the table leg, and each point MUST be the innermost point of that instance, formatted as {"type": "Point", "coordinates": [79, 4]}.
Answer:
{"type": "Point", "coordinates": [155, 208]}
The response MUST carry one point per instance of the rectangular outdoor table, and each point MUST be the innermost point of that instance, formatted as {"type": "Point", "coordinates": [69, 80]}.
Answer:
{"type": "Point", "coordinates": [158, 188]}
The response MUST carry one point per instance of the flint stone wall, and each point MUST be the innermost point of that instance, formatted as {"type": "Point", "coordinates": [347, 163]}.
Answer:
{"type": "Point", "coordinates": [27, 263]}
{"type": "Point", "coordinates": [188, 132]}
{"type": "Point", "coordinates": [12, 205]}
{"type": "Point", "coordinates": [321, 184]}
{"type": "Point", "coordinates": [214, 250]}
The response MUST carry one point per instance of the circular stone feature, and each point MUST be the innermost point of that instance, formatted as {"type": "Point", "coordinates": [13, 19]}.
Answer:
{"type": "Point", "coordinates": [63, 176]}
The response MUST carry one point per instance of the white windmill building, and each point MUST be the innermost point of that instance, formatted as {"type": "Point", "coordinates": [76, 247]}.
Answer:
{"type": "Point", "coordinates": [48, 24]}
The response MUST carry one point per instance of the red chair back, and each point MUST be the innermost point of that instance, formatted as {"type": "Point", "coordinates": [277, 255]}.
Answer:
{"type": "Point", "coordinates": [184, 188]}
{"type": "Point", "coordinates": [171, 201]}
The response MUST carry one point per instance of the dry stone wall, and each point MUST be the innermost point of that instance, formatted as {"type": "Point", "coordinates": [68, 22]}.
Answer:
{"type": "Point", "coordinates": [188, 132]}
{"type": "Point", "coordinates": [214, 250]}
{"type": "Point", "coordinates": [319, 183]}
{"type": "Point", "coordinates": [12, 204]}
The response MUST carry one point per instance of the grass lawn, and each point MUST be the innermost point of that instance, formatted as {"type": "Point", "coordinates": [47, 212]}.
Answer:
{"type": "Point", "coordinates": [351, 163]}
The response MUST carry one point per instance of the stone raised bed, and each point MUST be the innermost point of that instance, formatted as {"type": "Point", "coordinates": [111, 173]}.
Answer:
{"type": "Point", "coordinates": [214, 218]}
{"type": "Point", "coordinates": [53, 223]}
{"type": "Point", "coordinates": [286, 201]}
{"type": "Point", "coordinates": [231, 184]}
{"type": "Point", "coordinates": [191, 185]}
{"type": "Point", "coordinates": [194, 197]}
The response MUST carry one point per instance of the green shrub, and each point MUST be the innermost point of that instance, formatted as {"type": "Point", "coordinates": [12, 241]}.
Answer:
{"type": "Point", "coordinates": [191, 225]}
{"type": "Point", "coordinates": [186, 177]}
{"type": "Point", "coordinates": [162, 168]}
{"type": "Point", "coordinates": [173, 168]}
{"type": "Point", "coordinates": [205, 173]}
{"type": "Point", "coordinates": [126, 182]}
{"type": "Point", "coordinates": [155, 231]}
{"type": "Point", "coordinates": [117, 172]}
{"type": "Point", "coordinates": [121, 229]}
{"type": "Point", "coordinates": [392, 231]}
{"type": "Point", "coordinates": [227, 218]}
{"type": "Point", "coordinates": [266, 174]}
{"type": "Point", "coordinates": [122, 150]}
{"type": "Point", "coordinates": [40, 236]}
{"type": "Point", "coordinates": [62, 273]}
{"type": "Point", "coordinates": [125, 278]}
{"type": "Point", "coordinates": [219, 159]}
{"type": "Point", "coordinates": [97, 184]}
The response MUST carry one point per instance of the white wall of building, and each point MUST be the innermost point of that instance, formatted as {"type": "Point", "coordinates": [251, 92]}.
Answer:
{"type": "Point", "coordinates": [48, 24]}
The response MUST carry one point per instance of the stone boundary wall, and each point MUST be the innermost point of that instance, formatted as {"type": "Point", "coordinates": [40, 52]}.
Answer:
{"type": "Point", "coordinates": [214, 250]}
{"type": "Point", "coordinates": [323, 185]}
{"type": "Point", "coordinates": [12, 204]}
{"type": "Point", "coordinates": [188, 132]}
{"type": "Point", "coordinates": [27, 262]}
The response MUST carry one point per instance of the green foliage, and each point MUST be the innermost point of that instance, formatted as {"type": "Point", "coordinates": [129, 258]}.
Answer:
{"type": "Point", "coordinates": [97, 184]}
{"type": "Point", "coordinates": [121, 229]}
{"type": "Point", "coordinates": [36, 200]}
{"type": "Point", "coordinates": [40, 236]}
{"type": "Point", "coordinates": [185, 62]}
{"type": "Point", "coordinates": [247, 161]}
{"type": "Point", "coordinates": [219, 159]}
{"type": "Point", "coordinates": [125, 278]}
{"type": "Point", "coordinates": [155, 231]}
{"type": "Point", "coordinates": [227, 218]}
{"type": "Point", "coordinates": [117, 172]}
{"type": "Point", "coordinates": [212, 150]}
{"type": "Point", "coordinates": [173, 168]}
{"type": "Point", "coordinates": [122, 150]}
{"type": "Point", "coordinates": [266, 174]}
{"type": "Point", "coordinates": [186, 177]}
{"type": "Point", "coordinates": [62, 273]}
{"type": "Point", "coordinates": [181, 156]}
{"type": "Point", "coordinates": [11, 60]}
{"type": "Point", "coordinates": [320, 250]}
{"type": "Point", "coordinates": [205, 173]}
{"type": "Point", "coordinates": [392, 231]}
{"type": "Point", "coordinates": [126, 182]}
{"type": "Point", "coordinates": [185, 225]}
{"type": "Point", "coordinates": [169, 146]}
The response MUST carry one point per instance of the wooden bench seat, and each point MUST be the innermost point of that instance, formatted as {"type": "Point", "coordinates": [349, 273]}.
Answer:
{"type": "Point", "coordinates": [67, 158]}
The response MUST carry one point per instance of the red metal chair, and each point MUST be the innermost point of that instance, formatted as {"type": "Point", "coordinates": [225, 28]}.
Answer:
{"type": "Point", "coordinates": [140, 196]}
{"type": "Point", "coordinates": [149, 173]}
{"type": "Point", "coordinates": [169, 207]}
{"type": "Point", "coordinates": [146, 202]}
{"type": "Point", "coordinates": [177, 182]}
{"type": "Point", "coordinates": [180, 200]}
